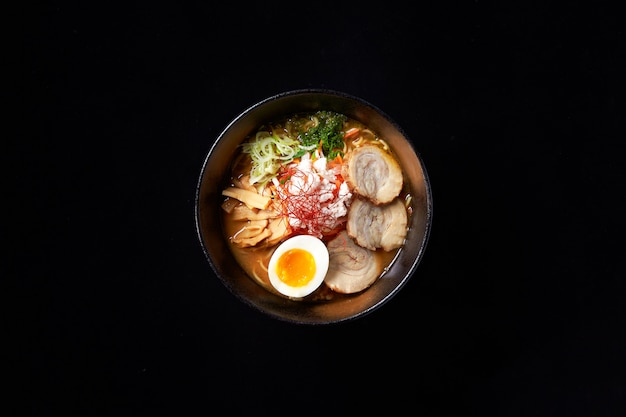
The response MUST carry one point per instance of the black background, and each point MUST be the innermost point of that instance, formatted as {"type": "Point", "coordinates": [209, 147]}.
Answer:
{"type": "Point", "coordinates": [517, 309]}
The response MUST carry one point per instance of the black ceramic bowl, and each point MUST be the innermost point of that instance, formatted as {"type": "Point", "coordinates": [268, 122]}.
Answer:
{"type": "Point", "coordinates": [209, 198]}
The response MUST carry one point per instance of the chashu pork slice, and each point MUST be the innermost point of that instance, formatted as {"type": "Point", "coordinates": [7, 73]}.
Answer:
{"type": "Point", "coordinates": [374, 173]}
{"type": "Point", "coordinates": [378, 226]}
{"type": "Point", "coordinates": [351, 268]}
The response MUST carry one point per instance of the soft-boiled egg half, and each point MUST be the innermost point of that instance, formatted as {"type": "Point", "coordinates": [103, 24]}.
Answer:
{"type": "Point", "coordinates": [298, 266]}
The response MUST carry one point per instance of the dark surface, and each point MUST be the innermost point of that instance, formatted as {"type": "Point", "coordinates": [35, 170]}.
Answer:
{"type": "Point", "coordinates": [518, 308]}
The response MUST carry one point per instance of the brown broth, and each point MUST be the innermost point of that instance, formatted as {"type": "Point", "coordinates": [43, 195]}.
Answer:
{"type": "Point", "coordinates": [254, 260]}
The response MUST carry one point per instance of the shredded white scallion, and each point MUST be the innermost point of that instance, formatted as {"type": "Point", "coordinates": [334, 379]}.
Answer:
{"type": "Point", "coordinates": [269, 151]}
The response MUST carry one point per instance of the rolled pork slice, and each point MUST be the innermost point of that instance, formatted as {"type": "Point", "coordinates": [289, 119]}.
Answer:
{"type": "Point", "coordinates": [374, 173]}
{"type": "Point", "coordinates": [378, 226]}
{"type": "Point", "coordinates": [351, 268]}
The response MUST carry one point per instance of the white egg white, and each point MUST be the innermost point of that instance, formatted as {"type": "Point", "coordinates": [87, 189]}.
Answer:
{"type": "Point", "coordinates": [315, 247]}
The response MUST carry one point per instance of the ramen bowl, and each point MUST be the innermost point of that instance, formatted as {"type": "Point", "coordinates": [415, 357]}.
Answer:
{"type": "Point", "coordinates": [214, 177]}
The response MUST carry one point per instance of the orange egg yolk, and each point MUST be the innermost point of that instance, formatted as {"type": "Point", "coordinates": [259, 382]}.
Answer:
{"type": "Point", "coordinates": [296, 267]}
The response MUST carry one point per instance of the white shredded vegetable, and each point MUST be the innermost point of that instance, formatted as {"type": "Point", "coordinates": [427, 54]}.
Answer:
{"type": "Point", "coordinates": [269, 151]}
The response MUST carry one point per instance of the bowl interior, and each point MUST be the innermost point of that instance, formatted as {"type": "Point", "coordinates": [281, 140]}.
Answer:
{"type": "Point", "coordinates": [209, 198]}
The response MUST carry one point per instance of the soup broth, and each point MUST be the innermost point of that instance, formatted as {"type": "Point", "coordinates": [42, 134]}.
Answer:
{"type": "Point", "coordinates": [246, 218]}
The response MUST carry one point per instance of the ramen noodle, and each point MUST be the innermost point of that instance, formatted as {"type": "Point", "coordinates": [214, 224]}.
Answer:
{"type": "Point", "coordinates": [321, 174]}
